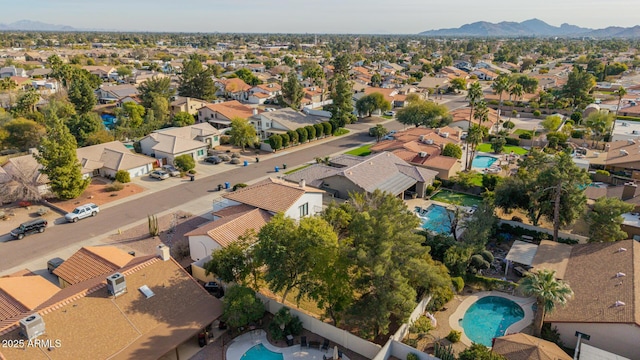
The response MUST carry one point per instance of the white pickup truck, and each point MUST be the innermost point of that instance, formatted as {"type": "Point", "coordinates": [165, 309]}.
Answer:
{"type": "Point", "coordinates": [82, 212]}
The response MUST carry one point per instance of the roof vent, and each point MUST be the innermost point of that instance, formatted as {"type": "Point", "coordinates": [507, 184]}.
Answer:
{"type": "Point", "coordinates": [144, 289]}
{"type": "Point", "coordinates": [624, 152]}
{"type": "Point", "coordinates": [619, 303]}
{"type": "Point", "coordinates": [621, 249]}
{"type": "Point", "coordinates": [32, 326]}
{"type": "Point", "coordinates": [630, 141]}
{"type": "Point", "coordinates": [164, 252]}
{"type": "Point", "coordinates": [429, 142]}
{"type": "Point", "coordinates": [422, 154]}
{"type": "Point", "coordinates": [302, 183]}
{"type": "Point", "coordinates": [116, 284]}
{"type": "Point", "coordinates": [620, 274]}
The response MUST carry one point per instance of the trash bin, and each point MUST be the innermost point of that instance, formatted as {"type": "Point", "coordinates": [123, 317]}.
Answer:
{"type": "Point", "coordinates": [219, 187]}
{"type": "Point", "coordinates": [192, 177]}
{"type": "Point", "coordinates": [277, 169]}
{"type": "Point", "coordinates": [227, 185]}
{"type": "Point", "coordinates": [246, 163]}
{"type": "Point", "coordinates": [284, 166]}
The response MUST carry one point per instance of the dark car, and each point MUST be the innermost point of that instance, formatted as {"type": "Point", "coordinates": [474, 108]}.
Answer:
{"type": "Point", "coordinates": [213, 160]}
{"type": "Point", "coordinates": [29, 227]}
{"type": "Point", "coordinates": [214, 288]}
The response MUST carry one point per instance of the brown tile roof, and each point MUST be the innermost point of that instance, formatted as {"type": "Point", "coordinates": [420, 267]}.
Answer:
{"type": "Point", "coordinates": [228, 229]}
{"type": "Point", "coordinates": [270, 194]}
{"type": "Point", "coordinates": [235, 85]}
{"type": "Point", "coordinates": [90, 262]}
{"type": "Point", "coordinates": [440, 162]}
{"type": "Point", "coordinates": [112, 155]}
{"type": "Point", "coordinates": [591, 273]}
{"type": "Point", "coordinates": [28, 291]}
{"type": "Point", "coordinates": [271, 87]}
{"type": "Point", "coordinates": [463, 115]}
{"type": "Point", "coordinates": [552, 255]}
{"type": "Point", "coordinates": [233, 210]}
{"type": "Point", "coordinates": [616, 157]}
{"type": "Point", "coordinates": [93, 325]}
{"type": "Point", "coordinates": [231, 109]}
{"type": "Point", "coordinates": [526, 347]}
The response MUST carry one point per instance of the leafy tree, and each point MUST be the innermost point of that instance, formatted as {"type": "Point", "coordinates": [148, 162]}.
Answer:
{"type": "Point", "coordinates": [183, 118]}
{"type": "Point", "coordinates": [156, 86]}
{"type": "Point", "coordinates": [248, 77]}
{"type": "Point", "coordinates": [342, 64]}
{"type": "Point", "coordinates": [319, 129]}
{"type": "Point", "coordinates": [579, 85]}
{"type": "Point", "coordinates": [242, 133]}
{"type": "Point", "coordinates": [184, 162]}
{"type": "Point", "coordinates": [479, 352]}
{"type": "Point", "coordinates": [196, 81]}
{"type": "Point", "coordinates": [241, 306]}
{"type": "Point", "coordinates": [124, 71]}
{"type": "Point", "coordinates": [605, 219]}
{"type": "Point", "coordinates": [551, 122]}
{"type": "Point", "coordinates": [227, 56]}
{"type": "Point", "coordinates": [82, 126]}
{"type": "Point", "coordinates": [292, 91]}
{"type": "Point", "coordinates": [378, 131]}
{"type": "Point", "coordinates": [100, 137]}
{"type": "Point", "coordinates": [57, 155]}
{"type": "Point", "coordinates": [23, 134]}
{"type": "Point", "coordinates": [498, 143]}
{"type": "Point", "coordinates": [372, 102]}
{"type": "Point", "coordinates": [376, 79]}
{"type": "Point", "coordinates": [81, 95]}
{"type": "Point", "coordinates": [452, 150]}
{"type": "Point", "coordinates": [548, 291]}
{"type": "Point", "coordinates": [480, 227]}
{"type": "Point", "coordinates": [130, 115]}
{"type": "Point", "coordinates": [311, 131]}
{"type": "Point", "coordinates": [342, 107]}
{"type": "Point", "coordinates": [275, 141]}
{"type": "Point", "coordinates": [27, 101]}
{"type": "Point", "coordinates": [288, 60]}
{"type": "Point", "coordinates": [458, 84]}
{"type": "Point", "coordinates": [328, 129]}
{"type": "Point", "coordinates": [529, 84]}
{"type": "Point", "coordinates": [425, 113]}
{"type": "Point", "coordinates": [312, 70]}
{"type": "Point", "coordinates": [302, 135]}
{"type": "Point", "coordinates": [234, 263]}
{"type": "Point", "coordinates": [599, 122]}
{"type": "Point", "coordinates": [285, 139]}
{"type": "Point", "coordinates": [8, 85]}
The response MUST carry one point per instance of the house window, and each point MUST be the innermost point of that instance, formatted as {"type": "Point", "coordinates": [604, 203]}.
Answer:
{"type": "Point", "coordinates": [215, 138]}
{"type": "Point", "coordinates": [304, 209]}
{"type": "Point", "coordinates": [201, 152]}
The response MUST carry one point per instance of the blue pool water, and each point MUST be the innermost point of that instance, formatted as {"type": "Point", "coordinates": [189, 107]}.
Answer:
{"type": "Point", "coordinates": [436, 219]}
{"type": "Point", "coordinates": [482, 161]}
{"type": "Point", "coordinates": [108, 120]}
{"type": "Point", "coordinates": [259, 352]}
{"type": "Point", "coordinates": [490, 317]}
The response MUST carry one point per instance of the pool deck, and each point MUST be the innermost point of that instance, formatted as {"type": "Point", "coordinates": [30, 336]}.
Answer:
{"type": "Point", "coordinates": [244, 342]}
{"type": "Point", "coordinates": [525, 304]}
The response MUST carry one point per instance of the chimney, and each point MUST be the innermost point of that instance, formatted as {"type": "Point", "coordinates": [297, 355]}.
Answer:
{"type": "Point", "coordinates": [629, 191]}
{"type": "Point", "coordinates": [255, 111]}
{"type": "Point", "coordinates": [164, 252]}
{"type": "Point", "coordinates": [302, 183]}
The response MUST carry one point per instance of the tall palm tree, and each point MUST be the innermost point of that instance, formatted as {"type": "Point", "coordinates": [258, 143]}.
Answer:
{"type": "Point", "coordinates": [474, 137]}
{"type": "Point", "coordinates": [621, 92]}
{"type": "Point", "coordinates": [474, 95]}
{"type": "Point", "coordinates": [516, 91]}
{"type": "Point", "coordinates": [548, 292]}
{"type": "Point", "coordinates": [500, 85]}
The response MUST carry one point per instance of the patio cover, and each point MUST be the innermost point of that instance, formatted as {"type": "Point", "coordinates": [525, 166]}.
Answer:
{"type": "Point", "coordinates": [522, 252]}
{"type": "Point", "coordinates": [525, 347]}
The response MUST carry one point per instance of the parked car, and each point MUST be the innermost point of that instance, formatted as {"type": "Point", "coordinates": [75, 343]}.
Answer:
{"type": "Point", "coordinates": [82, 212]}
{"type": "Point", "coordinates": [390, 113]}
{"type": "Point", "coordinates": [171, 170]}
{"type": "Point", "coordinates": [29, 227]}
{"type": "Point", "coordinates": [53, 264]}
{"type": "Point", "coordinates": [213, 160]}
{"type": "Point", "coordinates": [159, 174]}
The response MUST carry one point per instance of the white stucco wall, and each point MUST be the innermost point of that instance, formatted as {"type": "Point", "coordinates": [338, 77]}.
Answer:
{"type": "Point", "coordinates": [201, 246]}
{"type": "Point", "coordinates": [146, 145]}
{"type": "Point", "coordinates": [620, 339]}
{"type": "Point", "coordinates": [141, 170]}
{"type": "Point", "coordinates": [315, 205]}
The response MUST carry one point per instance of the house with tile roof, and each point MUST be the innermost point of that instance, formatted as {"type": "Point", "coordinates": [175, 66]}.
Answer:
{"type": "Point", "coordinates": [382, 171]}
{"type": "Point", "coordinates": [521, 346]}
{"type": "Point", "coordinates": [161, 308]}
{"type": "Point", "coordinates": [233, 88]}
{"type": "Point", "coordinates": [25, 169]}
{"type": "Point", "coordinates": [90, 262]}
{"type": "Point", "coordinates": [167, 144]}
{"type": "Point", "coordinates": [281, 121]}
{"type": "Point", "coordinates": [220, 115]}
{"type": "Point", "coordinates": [460, 118]}
{"type": "Point", "coordinates": [108, 158]}
{"type": "Point", "coordinates": [112, 93]}
{"type": "Point", "coordinates": [186, 104]}
{"type": "Point", "coordinates": [605, 279]}
{"type": "Point", "coordinates": [104, 72]}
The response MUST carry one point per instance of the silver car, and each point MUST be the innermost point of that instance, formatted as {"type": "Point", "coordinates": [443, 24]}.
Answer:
{"type": "Point", "coordinates": [171, 170]}
{"type": "Point", "coordinates": [159, 174]}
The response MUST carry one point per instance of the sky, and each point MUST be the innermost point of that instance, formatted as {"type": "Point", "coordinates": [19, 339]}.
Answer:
{"type": "Point", "coordinates": [314, 16]}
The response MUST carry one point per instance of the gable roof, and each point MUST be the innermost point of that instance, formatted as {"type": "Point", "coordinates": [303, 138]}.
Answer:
{"type": "Point", "coordinates": [313, 174]}
{"type": "Point", "coordinates": [228, 229]}
{"type": "Point", "coordinates": [591, 272]}
{"type": "Point", "coordinates": [90, 262]}
{"type": "Point", "coordinates": [234, 85]}
{"type": "Point", "coordinates": [231, 109]}
{"type": "Point", "coordinates": [270, 194]}
{"type": "Point", "coordinates": [93, 325]}
{"type": "Point", "coordinates": [521, 346]}
{"type": "Point", "coordinates": [27, 167]}
{"type": "Point", "coordinates": [112, 155]}
{"type": "Point", "coordinates": [176, 140]}
{"type": "Point", "coordinates": [292, 119]}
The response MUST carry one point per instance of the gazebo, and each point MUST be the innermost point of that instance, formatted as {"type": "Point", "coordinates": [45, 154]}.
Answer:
{"type": "Point", "coordinates": [522, 253]}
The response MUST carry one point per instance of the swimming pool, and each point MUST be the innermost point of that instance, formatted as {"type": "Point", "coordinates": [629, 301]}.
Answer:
{"type": "Point", "coordinates": [259, 352]}
{"type": "Point", "coordinates": [490, 317]}
{"type": "Point", "coordinates": [108, 120]}
{"type": "Point", "coordinates": [483, 162]}
{"type": "Point", "coordinates": [436, 218]}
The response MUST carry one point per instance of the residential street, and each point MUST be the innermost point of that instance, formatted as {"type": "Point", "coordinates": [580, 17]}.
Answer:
{"type": "Point", "coordinates": [61, 235]}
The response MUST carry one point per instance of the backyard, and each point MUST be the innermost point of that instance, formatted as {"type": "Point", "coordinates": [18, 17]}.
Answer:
{"type": "Point", "coordinates": [451, 197]}
{"type": "Point", "coordinates": [486, 147]}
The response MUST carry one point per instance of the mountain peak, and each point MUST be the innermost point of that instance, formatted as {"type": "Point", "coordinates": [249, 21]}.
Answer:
{"type": "Point", "coordinates": [532, 27]}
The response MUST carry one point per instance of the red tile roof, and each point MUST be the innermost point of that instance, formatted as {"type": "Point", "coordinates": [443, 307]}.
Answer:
{"type": "Point", "coordinates": [91, 262]}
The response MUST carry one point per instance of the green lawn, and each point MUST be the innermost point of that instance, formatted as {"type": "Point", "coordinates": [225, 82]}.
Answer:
{"type": "Point", "coordinates": [361, 151]}
{"type": "Point", "coordinates": [486, 147]}
{"type": "Point", "coordinates": [451, 197]}
{"type": "Point", "coordinates": [296, 169]}
{"type": "Point", "coordinates": [340, 131]}
{"type": "Point", "coordinates": [387, 117]}
{"type": "Point", "coordinates": [523, 131]}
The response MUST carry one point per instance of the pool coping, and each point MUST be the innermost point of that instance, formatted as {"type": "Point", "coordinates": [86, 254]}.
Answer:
{"type": "Point", "coordinates": [525, 304]}
{"type": "Point", "coordinates": [242, 343]}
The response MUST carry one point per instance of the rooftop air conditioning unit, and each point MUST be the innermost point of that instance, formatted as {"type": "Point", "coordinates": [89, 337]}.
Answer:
{"type": "Point", "coordinates": [429, 142]}
{"type": "Point", "coordinates": [444, 135]}
{"type": "Point", "coordinates": [32, 326]}
{"type": "Point", "coordinates": [421, 137]}
{"type": "Point", "coordinates": [422, 154]}
{"type": "Point", "coordinates": [116, 284]}
{"type": "Point", "coordinates": [630, 141]}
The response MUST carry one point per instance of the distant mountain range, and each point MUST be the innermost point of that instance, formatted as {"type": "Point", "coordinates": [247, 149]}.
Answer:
{"type": "Point", "coordinates": [533, 28]}
{"type": "Point", "coordinates": [28, 25]}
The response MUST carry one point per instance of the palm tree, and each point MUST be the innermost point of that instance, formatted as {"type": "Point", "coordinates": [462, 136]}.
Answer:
{"type": "Point", "coordinates": [548, 292]}
{"type": "Point", "coordinates": [500, 85]}
{"type": "Point", "coordinates": [474, 95]}
{"type": "Point", "coordinates": [516, 91]}
{"type": "Point", "coordinates": [621, 92]}
{"type": "Point", "coordinates": [474, 137]}
{"type": "Point", "coordinates": [8, 85]}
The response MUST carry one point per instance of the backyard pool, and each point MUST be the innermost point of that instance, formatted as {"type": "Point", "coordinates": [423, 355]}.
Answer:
{"type": "Point", "coordinates": [483, 162]}
{"type": "Point", "coordinates": [108, 121]}
{"type": "Point", "coordinates": [490, 317]}
{"type": "Point", "coordinates": [259, 352]}
{"type": "Point", "coordinates": [436, 219]}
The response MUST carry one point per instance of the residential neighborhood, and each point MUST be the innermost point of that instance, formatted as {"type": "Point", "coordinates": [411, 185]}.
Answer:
{"type": "Point", "coordinates": [301, 196]}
